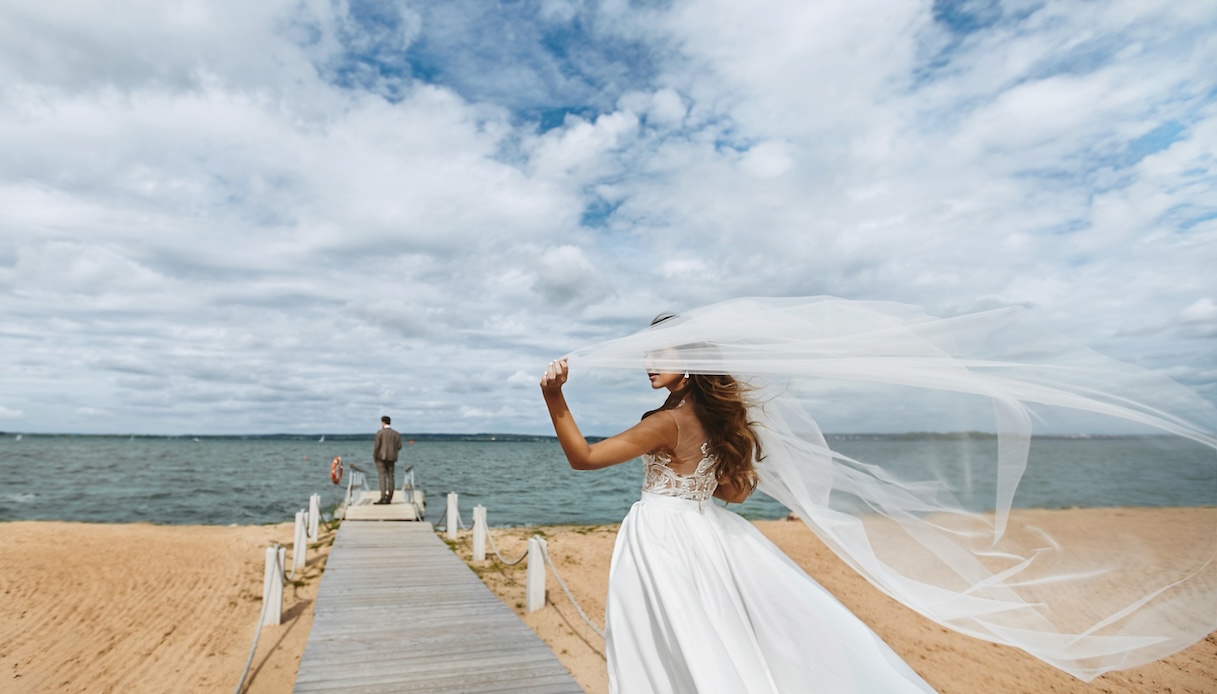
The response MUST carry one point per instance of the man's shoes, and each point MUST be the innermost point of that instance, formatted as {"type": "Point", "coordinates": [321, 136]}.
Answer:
{"type": "Point", "coordinates": [381, 502]}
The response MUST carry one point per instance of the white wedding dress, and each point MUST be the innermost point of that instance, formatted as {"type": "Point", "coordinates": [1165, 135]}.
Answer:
{"type": "Point", "coordinates": [699, 598]}
{"type": "Point", "coordinates": [700, 601]}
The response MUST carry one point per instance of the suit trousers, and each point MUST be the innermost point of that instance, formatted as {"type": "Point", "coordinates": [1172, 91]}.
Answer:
{"type": "Point", "coordinates": [385, 470]}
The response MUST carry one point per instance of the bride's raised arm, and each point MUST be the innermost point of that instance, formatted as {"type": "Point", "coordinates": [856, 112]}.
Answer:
{"type": "Point", "coordinates": [652, 433]}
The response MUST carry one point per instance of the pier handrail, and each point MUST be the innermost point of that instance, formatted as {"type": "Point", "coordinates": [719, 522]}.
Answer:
{"type": "Point", "coordinates": [407, 480]}
{"type": "Point", "coordinates": [357, 481]}
{"type": "Point", "coordinates": [407, 490]}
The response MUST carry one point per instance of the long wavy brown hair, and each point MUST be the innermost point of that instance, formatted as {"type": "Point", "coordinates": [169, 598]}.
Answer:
{"type": "Point", "coordinates": [721, 405]}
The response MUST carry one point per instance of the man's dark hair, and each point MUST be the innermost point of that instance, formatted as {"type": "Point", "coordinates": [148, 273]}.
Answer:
{"type": "Point", "coordinates": [385, 419]}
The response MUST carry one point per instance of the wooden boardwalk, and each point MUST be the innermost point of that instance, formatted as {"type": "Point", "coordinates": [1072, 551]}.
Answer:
{"type": "Point", "coordinates": [398, 611]}
{"type": "Point", "coordinates": [362, 507]}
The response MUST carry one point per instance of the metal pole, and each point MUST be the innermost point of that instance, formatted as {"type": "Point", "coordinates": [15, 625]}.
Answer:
{"type": "Point", "coordinates": [534, 590]}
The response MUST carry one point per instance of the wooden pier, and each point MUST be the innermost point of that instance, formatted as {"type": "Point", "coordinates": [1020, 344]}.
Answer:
{"type": "Point", "coordinates": [361, 506]}
{"type": "Point", "coordinates": [398, 611]}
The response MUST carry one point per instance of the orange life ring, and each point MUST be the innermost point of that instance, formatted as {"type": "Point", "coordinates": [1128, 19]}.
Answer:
{"type": "Point", "coordinates": [336, 469]}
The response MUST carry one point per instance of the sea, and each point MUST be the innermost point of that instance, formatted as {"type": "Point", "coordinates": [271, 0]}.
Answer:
{"type": "Point", "coordinates": [522, 481]}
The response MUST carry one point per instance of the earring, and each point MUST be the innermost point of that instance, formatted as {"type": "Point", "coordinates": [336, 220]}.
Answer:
{"type": "Point", "coordinates": [686, 374]}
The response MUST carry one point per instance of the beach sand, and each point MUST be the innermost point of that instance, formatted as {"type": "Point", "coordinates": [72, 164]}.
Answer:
{"type": "Point", "coordinates": [142, 608]}
{"type": "Point", "coordinates": [950, 662]}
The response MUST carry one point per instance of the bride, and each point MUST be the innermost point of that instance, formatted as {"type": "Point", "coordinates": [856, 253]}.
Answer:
{"type": "Point", "coordinates": [699, 600]}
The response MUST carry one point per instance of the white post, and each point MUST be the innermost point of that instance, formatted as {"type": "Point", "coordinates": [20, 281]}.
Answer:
{"type": "Point", "coordinates": [453, 515]}
{"type": "Point", "coordinates": [314, 515]}
{"type": "Point", "coordinates": [534, 589]}
{"type": "Point", "coordinates": [300, 547]}
{"type": "Point", "coordinates": [272, 586]}
{"type": "Point", "coordinates": [479, 533]}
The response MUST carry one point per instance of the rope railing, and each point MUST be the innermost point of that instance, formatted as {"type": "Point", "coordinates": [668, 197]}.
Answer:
{"type": "Point", "coordinates": [330, 524]}
{"type": "Point", "coordinates": [451, 511]}
{"type": "Point", "coordinates": [443, 523]}
{"type": "Point", "coordinates": [276, 575]}
{"type": "Point", "coordinates": [554, 569]}
{"type": "Point", "coordinates": [481, 533]}
{"type": "Point", "coordinates": [499, 554]}
{"type": "Point", "coordinates": [278, 571]}
{"type": "Point", "coordinates": [307, 527]}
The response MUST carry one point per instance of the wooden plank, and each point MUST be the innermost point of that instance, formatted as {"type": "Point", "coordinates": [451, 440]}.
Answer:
{"type": "Point", "coordinates": [397, 611]}
{"type": "Point", "coordinates": [363, 508]}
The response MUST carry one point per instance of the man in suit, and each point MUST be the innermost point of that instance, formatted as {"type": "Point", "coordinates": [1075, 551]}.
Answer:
{"type": "Point", "coordinates": [384, 452]}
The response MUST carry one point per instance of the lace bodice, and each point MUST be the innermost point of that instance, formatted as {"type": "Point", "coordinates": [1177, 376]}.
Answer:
{"type": "Point", "coordinates": [663, 480]}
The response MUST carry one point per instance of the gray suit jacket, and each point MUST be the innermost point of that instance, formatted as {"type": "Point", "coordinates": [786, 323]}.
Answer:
{"type": "Point", "coordinates": [388, 443]}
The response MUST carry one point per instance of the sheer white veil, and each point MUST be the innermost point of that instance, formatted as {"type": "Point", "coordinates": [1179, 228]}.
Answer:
{"type": "Point", "coordinates": [949, 534]}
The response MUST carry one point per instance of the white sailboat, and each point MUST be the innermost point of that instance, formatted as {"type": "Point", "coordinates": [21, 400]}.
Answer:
{"type": "Point", "coordinates": [322, 439]}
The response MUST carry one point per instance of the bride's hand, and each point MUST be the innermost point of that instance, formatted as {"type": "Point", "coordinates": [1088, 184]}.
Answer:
{"type": "Point", "coordinates": [555, 376]}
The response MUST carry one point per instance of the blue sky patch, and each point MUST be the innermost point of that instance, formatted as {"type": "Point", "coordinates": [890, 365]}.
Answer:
{"type": "Point", "coordinates": [1187, 222]}
{"type": "Point", "coordinates": [964, 17]}
{"type": "Point", "coordinates": [598, 212]}
{"type": "Point", "coordinates": [1154, 141]}
{"type": "Point", "coordinates": [505, 53]}
{"type": "Point", "coordinates": [549, 118]}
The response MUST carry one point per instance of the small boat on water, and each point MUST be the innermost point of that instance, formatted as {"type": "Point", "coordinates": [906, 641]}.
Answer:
{"type": "Point", "coordinates": [322, 439]}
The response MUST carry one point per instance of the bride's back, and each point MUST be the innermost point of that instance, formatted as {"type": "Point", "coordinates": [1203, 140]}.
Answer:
{"type": "Point", "coordinates": [690, 435]}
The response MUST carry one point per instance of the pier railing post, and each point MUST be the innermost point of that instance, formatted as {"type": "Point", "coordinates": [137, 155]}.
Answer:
{"type": "Point", "coordinates": [314, 515]}
{"type": "Point", "coordinates": [300, 546]}
{"type": "Point", "coordinates": [534, 590]}
{"type": "Point", "coordinates": [453, 516]}
{"type": "Point", "coordinates": [479, 533]}
{"type": "Point", "coordinates": [272, 586]}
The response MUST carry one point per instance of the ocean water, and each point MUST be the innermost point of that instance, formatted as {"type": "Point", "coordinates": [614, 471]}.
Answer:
{"type": "Point", "coordinates": [221, 481]}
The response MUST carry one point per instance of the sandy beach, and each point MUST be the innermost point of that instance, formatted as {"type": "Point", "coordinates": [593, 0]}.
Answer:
{"type": "Point", "coordinates": [951, 662]}
{"type": "Point", "coordinates": [142, 608]}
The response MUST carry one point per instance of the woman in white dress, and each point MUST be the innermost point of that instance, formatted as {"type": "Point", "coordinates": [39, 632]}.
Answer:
{"type": "Point", "coordinates": [699, 600]}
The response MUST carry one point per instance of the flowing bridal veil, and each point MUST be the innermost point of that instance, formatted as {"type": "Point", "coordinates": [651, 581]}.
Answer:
{"type": "Point", "coordinates": [1012, 416]}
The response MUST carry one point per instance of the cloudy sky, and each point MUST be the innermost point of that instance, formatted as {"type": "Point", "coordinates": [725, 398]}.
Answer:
{"type": "Point", "coordinates": [296, 215]}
